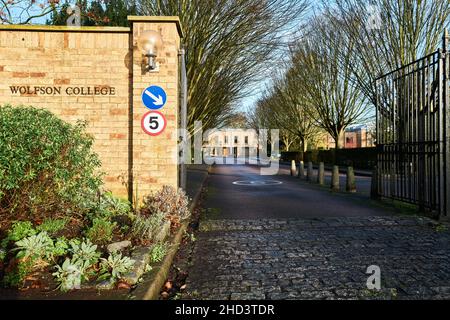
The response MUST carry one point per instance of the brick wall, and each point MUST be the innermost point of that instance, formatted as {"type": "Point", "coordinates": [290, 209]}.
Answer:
{"type": "Point", "coordinates": [154, 158]}
{"type": "Point", "coordinates": [65, 57]}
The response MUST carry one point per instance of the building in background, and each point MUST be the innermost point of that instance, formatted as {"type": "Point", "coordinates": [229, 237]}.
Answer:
{"type": "Point", "coordinates": [354, 137]}
{"type": "Point", "coordinates": [358, 137]}
{"type": "Point", "coordinates": [238, 143]}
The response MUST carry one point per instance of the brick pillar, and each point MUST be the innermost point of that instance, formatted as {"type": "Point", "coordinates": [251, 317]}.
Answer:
{"type": "Point", "coordinates": [154, 158]}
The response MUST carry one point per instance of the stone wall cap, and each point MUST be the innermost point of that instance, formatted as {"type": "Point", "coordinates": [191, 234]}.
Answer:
{"type": "Point", "coordinates": [29, 27]}
{"type": "Point", "coordinates": [159, 19]}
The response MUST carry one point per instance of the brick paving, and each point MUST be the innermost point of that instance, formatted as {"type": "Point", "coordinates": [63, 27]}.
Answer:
{"type": "Point", "coordinates": [322, 258]}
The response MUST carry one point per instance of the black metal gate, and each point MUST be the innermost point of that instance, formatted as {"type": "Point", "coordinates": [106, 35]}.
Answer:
{"type": "Point", "coordinates": [413, 133]}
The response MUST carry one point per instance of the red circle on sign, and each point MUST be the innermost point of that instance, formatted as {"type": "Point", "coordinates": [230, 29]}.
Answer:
{"type": "Point", "coordinates": [153, 133]}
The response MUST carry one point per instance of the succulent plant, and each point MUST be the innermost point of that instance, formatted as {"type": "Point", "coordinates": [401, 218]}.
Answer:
{"type": "Point", "coordinates": [35, 247]}
{"type": "Point", "coordinates": [84, 251]}
{"type": "Point", "coordinates": [116, 265]}
{"type": "Point", "coordinates": [71, 274]}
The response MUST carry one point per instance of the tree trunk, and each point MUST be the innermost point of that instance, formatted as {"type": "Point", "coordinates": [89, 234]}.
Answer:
{"type": "Point", "coordinates": [303, 145]}
{"type": "Point", "coordinates": [339, 140]}
{"type": "Point", "coordinates": [338, 144]}
{"type": "Point", "coordinates": [302, 148]}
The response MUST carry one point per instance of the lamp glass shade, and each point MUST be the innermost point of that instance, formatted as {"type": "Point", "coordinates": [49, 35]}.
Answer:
{"type": "Point", "coordinates": [150, 42]}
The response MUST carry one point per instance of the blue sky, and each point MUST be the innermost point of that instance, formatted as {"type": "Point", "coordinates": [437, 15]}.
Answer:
{"type": "Point", "coordinates": [258, 88]}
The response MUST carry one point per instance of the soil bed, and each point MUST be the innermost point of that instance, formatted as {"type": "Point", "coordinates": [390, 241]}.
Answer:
{"type": "Point", "coordinates": [175, 285]}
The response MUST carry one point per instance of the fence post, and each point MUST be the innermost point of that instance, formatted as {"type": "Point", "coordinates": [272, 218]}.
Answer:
{"type": "Point", "coordinates": [446, 131]}
{"type": "Point", "coordinates": [374, 194]}
{"type": "Point", "coordinates": [321, 174]}
{"type": "Point", "coordinates": [293, 168]}
{"type": "Point", "coordinates": [335, 185]}
{"type": "Point", "coordinates": [309, 176]}
{"type": "Point", "coordinates": [351, 183]}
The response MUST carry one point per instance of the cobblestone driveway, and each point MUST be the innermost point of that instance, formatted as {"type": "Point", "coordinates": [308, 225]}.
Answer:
{"type": "Point", "coordinates": [322, 258]}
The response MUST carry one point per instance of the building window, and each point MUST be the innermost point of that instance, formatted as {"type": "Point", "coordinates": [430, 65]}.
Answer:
{"type": "Point", "coordinates": [235, 139]}
{"type": "Point", "coordinates": [226, 139]}
{"type": "Point", "coordinates": [246, 139]}
{"type": "Point", "coordinates": [349, 140]}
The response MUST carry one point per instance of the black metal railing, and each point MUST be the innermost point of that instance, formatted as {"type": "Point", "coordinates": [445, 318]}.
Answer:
{"type": "Point", "coordinates": [413, 133]}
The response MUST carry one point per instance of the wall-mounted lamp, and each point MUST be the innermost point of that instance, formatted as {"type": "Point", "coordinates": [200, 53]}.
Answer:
{"type": "Point", "coordinates": [150, 43]}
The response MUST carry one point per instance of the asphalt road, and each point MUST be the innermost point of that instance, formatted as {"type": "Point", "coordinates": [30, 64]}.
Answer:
{"type": "Point", "coordinates": [240, 192]}
{"type": "Point", "coordinates": [294, 240]}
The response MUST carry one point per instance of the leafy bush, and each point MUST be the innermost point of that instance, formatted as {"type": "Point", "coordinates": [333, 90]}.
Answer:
{"type": "Point", "coordinates": [52, 226]}
{"type": "Point", "coordinates": [146, 227]}
{"type": "Point", "coordinates": [114, 205]}
{"type": "Point", "coordinates": [35, 247]}
{"type": "Point", "coordinates": [16, 276]}
{"type": "Point", "coordinates": [173, 203]}
{"type": "Point", "coordinates": [60, 247]}
{"type": "Point", "coordinates": [158, 253]}
{"type": "Point", "coordinates": [77, 269]}
{"type": "Point", "coordinates": [71, 274]}
{"type": "Point", "coordinates": [101, 231]}
{"type": "Point", "coordinates": [109, 206]}
{"type": "Point", "coordinates": [84, 251]}
{"type": "Point", "coordinates": [46, 165]}
{"type": "Point", "coordinates": [19, 231]}
{"type": "Point", "coordinates": [34, 252]}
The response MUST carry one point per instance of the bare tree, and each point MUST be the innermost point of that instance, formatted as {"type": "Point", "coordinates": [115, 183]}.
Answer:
{"type": "Point", "coordinates": [386, 35]}
{"type": "Point", "coordinates": [288, 140]}
{"type": "Point", "coordinates": [285, 107]}
{"type": "Point", "coordinates": [322, 67]}
{"type": "Point", "coordinates": [229, 45]}
{"type": "Point", "coordinates": [263, 117]}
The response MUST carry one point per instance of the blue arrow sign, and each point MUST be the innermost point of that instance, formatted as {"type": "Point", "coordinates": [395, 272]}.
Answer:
{"type": "Point", "coordinates": [154, 97]}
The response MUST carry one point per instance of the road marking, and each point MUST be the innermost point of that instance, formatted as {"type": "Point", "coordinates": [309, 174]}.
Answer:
{"type": "Point", "coordinates": [257, 183]}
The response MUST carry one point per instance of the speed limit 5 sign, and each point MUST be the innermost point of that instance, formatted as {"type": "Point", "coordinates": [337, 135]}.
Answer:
{"type": "Point", "coordinates": [153, 123]}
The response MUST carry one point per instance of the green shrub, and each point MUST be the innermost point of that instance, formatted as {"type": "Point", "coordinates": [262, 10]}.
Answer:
{"type": "Point", "coordinates": [158, 253]}
{"type": "Point", "coordinates": [18, 231]}
{"type": "Point", "coordinates": [71, 274]}
{"type": "Point", "coordinates": [115, 266]}
{"type": "Point", "coordinates": [77, 269]}
{"type": "Point", "coordinates": [84, 251]}
{"type": "Point", "coordinates": [16, 277]}
{"type": "Point", "coordinates": [113, 205]}
{"type": "Point", "coordinates": [101, 231]}
{"type": "Point", "coordinates": [109, 206]}
{"type": "Point", "coordinates": [47, 166]}
{"type": "Point", "coordinates": [60, 247]}
{"type": "Point", "coordinates": [52, 226]}
{"type": "Point", "coordinates": [35, 247]}
{"type": "Point", "coordinates": [147, 227]}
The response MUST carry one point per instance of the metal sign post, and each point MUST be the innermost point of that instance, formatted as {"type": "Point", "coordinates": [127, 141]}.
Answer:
{"type": "Point", "coordinates": [446, 124]}
{"type": "Point", "coordinates": [183, 119]}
